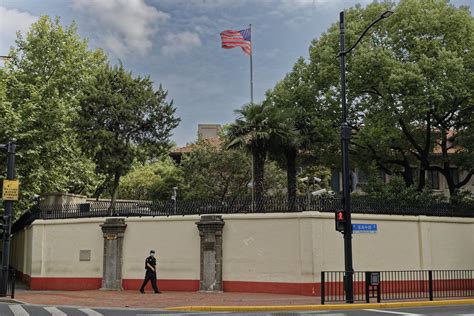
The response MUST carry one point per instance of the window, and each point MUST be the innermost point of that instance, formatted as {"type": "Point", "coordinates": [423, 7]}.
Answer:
{"type": "Point", "coordinates": [382, 176]}
{"type": "Point", "coordinates": [335, 186]}
{"type": "Point", "coordinates": [454, 174]}
{"type": "Point", "coordinates": [362, 177]}
{"type": "Point", "coordinates": [433, 179]}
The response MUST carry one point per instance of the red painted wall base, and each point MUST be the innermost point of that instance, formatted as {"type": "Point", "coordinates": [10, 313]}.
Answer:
{"type": "Point", "coordinates": [165, 285]}
{"type": "Point", "coordinates": [65, 284]}
{"type": "Point", "coordinates": [308, 289]}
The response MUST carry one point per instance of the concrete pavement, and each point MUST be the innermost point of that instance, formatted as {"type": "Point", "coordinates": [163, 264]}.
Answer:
{"type": "Point", "coordinates": [180, 302]}
{"type": "Point", "coordinates": [134, 299]}
{"type": "Point", "coordinates": [38, 310]}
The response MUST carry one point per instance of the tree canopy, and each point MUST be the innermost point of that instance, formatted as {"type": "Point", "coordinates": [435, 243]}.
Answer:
{"type": "Point", "coordinates": [408, 105]}
{"type": "Point", "coordinates": [40, 88]}
{"type": "Point", "coordinates": [123, 119]}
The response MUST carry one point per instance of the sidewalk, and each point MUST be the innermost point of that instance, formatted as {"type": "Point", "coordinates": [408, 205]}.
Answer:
{"type": "Point", "coordinates": [198, 301]}
{"type": "Point", "coordinates": [135, 299]}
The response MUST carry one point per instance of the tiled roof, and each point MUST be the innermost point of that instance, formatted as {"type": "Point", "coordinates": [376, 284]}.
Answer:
{"type": "Point", "coordinates": [215, 142]}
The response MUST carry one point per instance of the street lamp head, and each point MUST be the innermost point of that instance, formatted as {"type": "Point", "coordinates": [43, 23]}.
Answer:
{"type": "Point", "coordinates": [386, 14]}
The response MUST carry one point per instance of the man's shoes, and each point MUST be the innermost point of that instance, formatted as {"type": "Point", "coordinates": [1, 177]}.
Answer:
{"type": "Point", "coordinates": [157, 292]}
{"type": "Point", "coordinates": [141, 291]}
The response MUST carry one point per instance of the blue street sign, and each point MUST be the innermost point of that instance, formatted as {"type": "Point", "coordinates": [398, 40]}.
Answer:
{"type": "Point", "coordinates": [364, 228]}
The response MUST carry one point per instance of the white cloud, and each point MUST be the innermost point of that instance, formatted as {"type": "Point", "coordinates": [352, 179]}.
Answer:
{"type": "Point", "coordinates": [127, 26]}
{"type": "Point", "coordinates": [272, 53]}
{"type": "Point", "coordinates": [11, 21]}
{"type": "Point", "coordinates": [180, 43]}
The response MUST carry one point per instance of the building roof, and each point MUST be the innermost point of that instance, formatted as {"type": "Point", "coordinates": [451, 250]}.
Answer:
{"type": "Point", "coordinates": [215, 142]}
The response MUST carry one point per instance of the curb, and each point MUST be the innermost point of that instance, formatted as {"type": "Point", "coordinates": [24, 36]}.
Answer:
{"type": "Point", "coordinates": [319, 307]}
{"type": "Point", "coordinates": [11, 301]}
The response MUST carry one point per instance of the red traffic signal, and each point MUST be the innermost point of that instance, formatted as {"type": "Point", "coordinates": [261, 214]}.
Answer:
{"type": "Point", "coordinates": [340, 221]}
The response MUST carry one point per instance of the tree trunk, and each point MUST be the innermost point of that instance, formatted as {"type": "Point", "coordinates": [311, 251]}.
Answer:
{"type": "Point", "coordinates": [101, 188]}
{"type": "Point", "coordinates": [290, 154]}
{"type": "Point", "coordinates": [407, 173]}
{"type": "Point", "coordinates": [421, 179]}
{"type": "Point", "coordinates": [259, 175]}
{"type": "Point", "coordinates": [114, 192]}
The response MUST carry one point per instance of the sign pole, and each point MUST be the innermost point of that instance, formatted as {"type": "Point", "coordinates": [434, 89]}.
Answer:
{"type": "Point", "coordinates": [11, 147]}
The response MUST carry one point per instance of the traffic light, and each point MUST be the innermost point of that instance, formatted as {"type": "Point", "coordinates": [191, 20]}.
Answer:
{"type": "Point", "coordinates": [340, 221]}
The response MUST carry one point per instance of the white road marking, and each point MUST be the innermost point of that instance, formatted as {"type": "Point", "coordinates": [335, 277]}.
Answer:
{"type": "Point", "coordinates": [18, 310]}
{"type": "Point", "coordinates": [54, 311]}
{"type": "Point", "coordinates": [90, 312]}
{"type": "Point", "coordinates": [391, 312]}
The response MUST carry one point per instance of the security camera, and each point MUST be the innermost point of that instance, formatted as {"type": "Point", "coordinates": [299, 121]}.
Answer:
{"type": "Point", "coordinates": [317, 179]}
{"type": "Point", "coordinates": [304, 179]}
{"type": "Point", "coordinates": [319, 192]}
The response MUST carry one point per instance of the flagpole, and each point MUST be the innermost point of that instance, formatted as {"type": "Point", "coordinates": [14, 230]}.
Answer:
{"type": "Point", "coordinates": [251, 68]}
{"type": "Point", "coordinates": [251, 102]}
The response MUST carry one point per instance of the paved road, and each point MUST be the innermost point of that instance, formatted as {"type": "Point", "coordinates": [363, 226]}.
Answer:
{"type": "Point", "coordinates": [38, 310]}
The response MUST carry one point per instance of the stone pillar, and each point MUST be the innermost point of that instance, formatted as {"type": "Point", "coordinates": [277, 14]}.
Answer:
{"type": "Point", "coordinates": [113, 230]}
{"type": "Point", "coordinates": [210, 231]}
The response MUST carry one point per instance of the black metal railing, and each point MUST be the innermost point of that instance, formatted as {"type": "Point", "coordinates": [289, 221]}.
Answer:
{"type": "Point", "coordinates": [398, 285]}
{"type": "Point", "coordinates": [332, 286]}
{"type": "Point", "coordinates": [279, 204]}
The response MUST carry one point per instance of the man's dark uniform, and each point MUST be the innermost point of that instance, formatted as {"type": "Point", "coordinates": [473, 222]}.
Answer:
{"type": "Point", "coordinates": [150, 274]}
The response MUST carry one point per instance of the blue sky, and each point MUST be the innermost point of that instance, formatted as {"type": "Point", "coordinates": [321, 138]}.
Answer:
{"type": "Point", "coordinates": [177, 43]}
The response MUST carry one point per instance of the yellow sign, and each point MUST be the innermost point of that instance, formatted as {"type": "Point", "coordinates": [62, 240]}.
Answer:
{"type": "Point", "coordinates": [10, 190]}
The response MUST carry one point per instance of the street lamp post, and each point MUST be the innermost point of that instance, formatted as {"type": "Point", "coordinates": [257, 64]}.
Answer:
{"type": "Point", "coordinates": [346, 132]}
{"type": "Point", "coordinates": [7, 218]}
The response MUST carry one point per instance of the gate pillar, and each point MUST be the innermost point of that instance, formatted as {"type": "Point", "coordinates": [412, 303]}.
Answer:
{"type": "Point", "coordinates": [113, 230]}
{"type": "Point", "coordinates": [210, 230]}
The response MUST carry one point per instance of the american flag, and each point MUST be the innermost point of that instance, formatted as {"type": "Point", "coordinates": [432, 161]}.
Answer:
{"type": "Point", "coordinates": [231, 39]}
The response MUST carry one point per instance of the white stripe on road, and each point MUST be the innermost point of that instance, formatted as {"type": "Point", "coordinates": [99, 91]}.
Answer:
{"type": "Point", "coordinates": [54, 311]}
{"type": "Point", "coordinates": [90, 312]}
{"type": "Point", "coordinates": [391, 312]}
{"type": "Point", "coordinates": [18, 310]}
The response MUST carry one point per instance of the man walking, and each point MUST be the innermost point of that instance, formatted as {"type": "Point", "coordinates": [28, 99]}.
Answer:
{"type": "Point", "coordinates": [150, 275]}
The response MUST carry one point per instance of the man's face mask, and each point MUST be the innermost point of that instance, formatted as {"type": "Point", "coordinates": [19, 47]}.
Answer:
{"type": "Point", "coordinates": [152, 254]}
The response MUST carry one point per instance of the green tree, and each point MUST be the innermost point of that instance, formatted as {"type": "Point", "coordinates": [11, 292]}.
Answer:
{"type": "Point", "coordinates": [410, 83]}
{"type": "Point", "coordinates": [39, 91]}
{"type": "Point", "coordinates": [151, 181]}
{"type": "Point", "coordinates": [256, 128]}
{"type": "Point", "coordinates": [212, 172]}
{"type": "Point", "coordinates": [123, 119]}
{"type": "Point", "coordinates": [294, 95]}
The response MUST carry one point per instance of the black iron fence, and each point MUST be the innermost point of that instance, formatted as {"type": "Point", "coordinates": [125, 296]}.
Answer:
{"type": "Point", "coordinates": [280, 204]}
{"type": "Point", "coordinates": [398, 285]}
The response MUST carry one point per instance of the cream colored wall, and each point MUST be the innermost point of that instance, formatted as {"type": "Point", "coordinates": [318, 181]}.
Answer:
{"type": "Point", "coordinates": [448, 244]}
{"type": "Point", "coordinates": [175, 240]}
{"type": "Point", "coordinates": [297, 247]}
{"type": "Point", "coordinates": [56, 245]}
{"type": "Point", "coordinates": [291, 247]}
{"type": "Point", "coordinates": [262, 248]}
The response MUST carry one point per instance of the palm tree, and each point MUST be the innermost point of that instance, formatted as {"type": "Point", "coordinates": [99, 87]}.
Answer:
{"type": "Point", "coordinates": [257, 126]}
{"type": "Point", "coordinates": [293, 95]}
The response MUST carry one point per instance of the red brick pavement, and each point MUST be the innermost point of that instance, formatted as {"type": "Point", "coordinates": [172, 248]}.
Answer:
{"type": "Point", "coordinates": [135, 299]}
